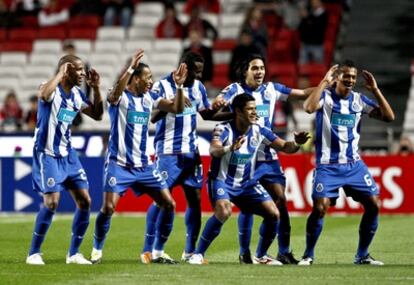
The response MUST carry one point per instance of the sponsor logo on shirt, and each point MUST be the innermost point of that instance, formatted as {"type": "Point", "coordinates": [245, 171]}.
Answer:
{"type": "Point", "coordinates": [66, 116]}
{"type": "Point", "coordinates": [188, 111]}
{"type": "Point", "coordinates": [140, 118]}
{"type": "Point", "coordinates": [345, 120]}
{"type": "Point", "coordinates": [262, 111]}
{"type": "Point", "coordinates": [240, 158]}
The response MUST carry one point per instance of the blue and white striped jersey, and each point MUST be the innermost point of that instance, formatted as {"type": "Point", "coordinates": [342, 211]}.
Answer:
{"type": "Point", "coordinates": [266, 96]}
{"type": "Point", "coordinates": [176, 133]}
{"type": "Point", "coordinates": [237, 168]}
{"type": "Point", "coordinates": [129, 128]}
{"type": "Point", "coordinates": [54, 118]}
{"type": "Point", "coordinates": [338, 126]}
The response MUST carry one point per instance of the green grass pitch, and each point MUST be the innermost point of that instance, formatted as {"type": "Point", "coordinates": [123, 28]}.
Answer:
{"type": "Point", "coordinates": [393, 244]}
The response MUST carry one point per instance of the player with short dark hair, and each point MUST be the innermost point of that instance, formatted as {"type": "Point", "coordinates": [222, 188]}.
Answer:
{"type": "Point", "coordinates": [251, 74]}
{"type": "Point", "coordinates": [127, 163]}
{"type": "Point", "coordinates": [177, 155]}
{"type": "Point", "coordinates": [339, 110]}
{"type": "Point", "coordinates": [56, 166]}
{"type": "Point", "coordinates": [234, 148]}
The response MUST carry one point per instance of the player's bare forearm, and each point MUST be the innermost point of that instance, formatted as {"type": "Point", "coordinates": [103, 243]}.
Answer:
{"type": "Point", "coordinates": [97, 107]}
{"type": "Point", "coordinates": [217, 150]}
{"type": "Point", "coordinates": [46, 90]}
{"type": "Point", "coordinates": [157, 115]}
{"type": "Point", "coordinates": [118, 88]}
{"type": "Point", "coordinates": [290, 147]}
{"type": "Point", "coordinates": [311, 104]}
{"type": "Point", "coordinates": [216, 115]}
{"type": "Point", "coordinates": [284, 146]}
{"type": "Point", "coordinates": [385, 112]}
{"type": "Point", "coordinates": [179, 101]}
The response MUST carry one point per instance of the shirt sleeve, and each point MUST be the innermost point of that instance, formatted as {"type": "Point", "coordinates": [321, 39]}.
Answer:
{"type": "Point", "coordinates": [156, 98]}
{"type": "Point", "coordinates": [229, 92]}
{"type": "Point", "coordinates": [220, 133]}
{"type": "Point", "coordinates": [85, 101]}
{"type": "Point", "coordinates": [268, 135]}
{"type": "Point", "coordinates": [322, 99]}
{"type": "Point", "coordinates": [283, 90]}
{"type": "Point", "coordinates": [368, 104]}
{"type": "Point", "coordinates": [204, 103]}
{"type": "Point", "coordinates": [158, 89]}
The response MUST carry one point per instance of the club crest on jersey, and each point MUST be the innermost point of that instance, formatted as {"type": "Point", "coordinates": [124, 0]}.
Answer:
{"type": "Point", "coordinates": [112, 181]}
{"type": "Point", "coordinates": [51, 182]}
{"type": "Point", "coordinates": [164, 174]}
{"type": "Point", "coordinates": [253, 142]}
{"type": "Point", "coordinates": [319, 187]}
{"type": "Point", "coordinates": [267, 95]}
{"type": "Point", "coordinates": [220, 191]}
{"type": "Point", "coordinates": [146, 103]}
{"type": "Point", "coordinates": [356, 107]}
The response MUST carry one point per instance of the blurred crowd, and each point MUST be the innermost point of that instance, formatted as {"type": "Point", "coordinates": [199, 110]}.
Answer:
{"type": "Point", "coordinates": [308, 20]}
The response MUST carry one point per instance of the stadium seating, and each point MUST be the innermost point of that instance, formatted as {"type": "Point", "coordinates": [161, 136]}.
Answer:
{"type": "Point", "coordinates": [107, 49]}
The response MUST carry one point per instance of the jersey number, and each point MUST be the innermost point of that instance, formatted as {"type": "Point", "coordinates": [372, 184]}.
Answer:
{"type": "Point", "coordinates": [157, 175]}
{"type": "Point", "coordinates": [368, 180]}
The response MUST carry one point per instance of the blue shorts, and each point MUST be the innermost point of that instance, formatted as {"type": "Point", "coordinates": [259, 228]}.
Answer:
{"type": "Point", "coordinates": [141, 180]}
{"type": "Point", "coordinates": [181, 169]}
{"type": "Point", "coordinates": [243, 198]}
{"type": "Point", "coordinates": [353, 177]}
{"type": "Point", "coordinates": [269, 172]}
{"type": "Point", "coordinates": [54, 174]}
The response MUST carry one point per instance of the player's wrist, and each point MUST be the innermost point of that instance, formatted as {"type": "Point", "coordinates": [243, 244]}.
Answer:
{"type": "Point", "coordinates": [130, 70]}
{"type": "Point", "coordinates": [325, 81]}
{"type": "Point", "coordinates": [227, 148]}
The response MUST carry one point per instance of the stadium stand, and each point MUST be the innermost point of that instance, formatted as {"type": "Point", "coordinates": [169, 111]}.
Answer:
{"type": "Point", "coordinates": [108, 48]}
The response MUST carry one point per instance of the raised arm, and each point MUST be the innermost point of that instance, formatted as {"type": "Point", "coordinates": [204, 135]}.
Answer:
{"type": "Point", "coordinates": [311, 104]}
{"type": "Point", "coordinates": [384, 112]}
{"type": "Point", "coordinates": [215, 112]}
{"type": "Point", "coordinates": [290, 146]}
{"type": "Point", "coordinates": [218, 150]}
{"type": "Point", "coordinates": [46, 90]}
{"type": "Point", "coordinates": [119, 87]}
{"type": "Point", "coordinates": [94, 111]}
{"type": "Point", "coordinates": [300, 94]}
{"type": "Point", "coordinates": [176, 106]}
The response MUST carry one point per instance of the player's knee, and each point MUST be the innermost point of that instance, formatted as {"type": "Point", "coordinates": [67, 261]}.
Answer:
{"type": "Point", "coordinates": [280, 201]}
{"type": "Point", "coordinates": [51, 204]}
{"type": "Point", "coordinates": [194, 202]}
{"type": "Point", "coordinates": [222, 212]}
{"type": "Point", "coordinates": [169, 205]}
{"type": "Point", "coordinates": [320, 209]}
{"type": "Point", "coordinates": [273, 215]}
{"type": "Point", "coordinates": [108, 208]}
{"type": "Point", "coordinates": [84, 203]}
{"type": "Point", "coordinates": [375, 206]}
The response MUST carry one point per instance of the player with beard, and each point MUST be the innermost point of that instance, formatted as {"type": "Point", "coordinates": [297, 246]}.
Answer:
{"type": "Point", "coordinates": [177, 155]}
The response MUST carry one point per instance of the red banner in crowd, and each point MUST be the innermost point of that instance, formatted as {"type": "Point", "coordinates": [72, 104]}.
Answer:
{"type": "Point", "coordinates": [393, 174]}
